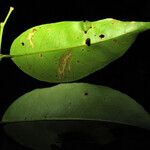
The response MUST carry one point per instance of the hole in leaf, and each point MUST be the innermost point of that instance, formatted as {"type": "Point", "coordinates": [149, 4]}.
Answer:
{"type": "Point", "coordinates": [88, 42]}
{"type": "Point", "coordinates": [22, 44]}
{"type": "Point", "coordinates": [102, 36]}
{"type": "Point", "coordinates": [86, 93]}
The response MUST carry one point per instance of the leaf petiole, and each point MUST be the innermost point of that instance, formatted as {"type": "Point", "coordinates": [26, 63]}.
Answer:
{"type": "Point", "coordinates": [2, 24]}
{"type": "Point", "coordinates": [4, 56]}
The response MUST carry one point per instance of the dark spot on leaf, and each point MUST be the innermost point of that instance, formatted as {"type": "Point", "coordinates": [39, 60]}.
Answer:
{"type": "Point", "coordinates": [90, 27]}
{"type": "Point", "coordinates": [88, 42]}
{"type": "Point", "coordinates": [34, 30]}
{"type": "Point", "coordinates": [45, 116]}
{"type": "Point", "coordinates": [85, 32]}
{"type": "Point", "coordinates": [102, 36]}
{"type": "Point", "coordinates": [86, 93]}
{"type": "Point", "coordinates": [41, 55]}
{"type": "Point", "coordinates": [25, 118]}
{"type": "Point", "coordinates": [22, 43]}
{"type": "Point", "coordinates": [78, 61]}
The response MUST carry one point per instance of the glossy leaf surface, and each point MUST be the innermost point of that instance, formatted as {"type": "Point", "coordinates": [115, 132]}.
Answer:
{"type": "Point", "coordinates": [78, 101]}
{"type": "Point", "coordinates": [70, 50]}
{"type": "Point", "coordinates": [44, 118]}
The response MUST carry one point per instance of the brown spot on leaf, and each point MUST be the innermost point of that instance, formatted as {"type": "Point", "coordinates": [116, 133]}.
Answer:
{"type": "Point", "coordinates": [64, 64]}
{"type": "Point", "coordinates": [34, 30]}
{"type": "Point", "coordinates": [30, 37]}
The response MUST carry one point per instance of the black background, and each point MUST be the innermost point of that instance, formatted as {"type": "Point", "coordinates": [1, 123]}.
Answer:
{"type": "Point", "coordinates": [129, 74]}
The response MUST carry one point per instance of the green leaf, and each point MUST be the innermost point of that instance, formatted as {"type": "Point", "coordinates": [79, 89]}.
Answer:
{"type": "Point", "coordinates": [78, 101]}
{"type": "Point", "coordinates": [38, 117]}
{"type": "Point", "coordinates": [70, 50]}
{"type": "Point", "coordinates": [2, 25]}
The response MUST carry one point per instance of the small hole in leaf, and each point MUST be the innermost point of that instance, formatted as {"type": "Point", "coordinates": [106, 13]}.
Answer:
{"type": "Point", "coordinates": [102, 36]}
{"type": "Point", "coordinates": [88, 42]}
{"type": "Point", "coordinates": [46, 116]}
{"type": "Point", "coordinates": [22, 43]}
{"type": "Point", "coordinates": [86, 93]}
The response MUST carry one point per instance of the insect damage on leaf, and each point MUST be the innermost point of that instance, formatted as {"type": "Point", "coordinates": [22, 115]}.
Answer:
{"type": "Point", "coordinates": [78, 37]}
{"type": "Point", "coordinates": [86, 26]}
{"type": "Point", "coordinates": [101, 36]}
{"type": "Point", "coordinates": [88, 41]}
{"type": "Point", "coordinates": [64, 64]}
{"type": "Point", "coordinates": [22, 43]}
{"type": "Point", "coordinates": [30, 37]}
{"type": "Point", "coordinates": [86, 93]}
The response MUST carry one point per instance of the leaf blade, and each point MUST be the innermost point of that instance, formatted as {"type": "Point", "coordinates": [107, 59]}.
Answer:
{"type": "Point", "coordinates": [99, 43]}
{"type": "Point", "coordinates": [85, 101]}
